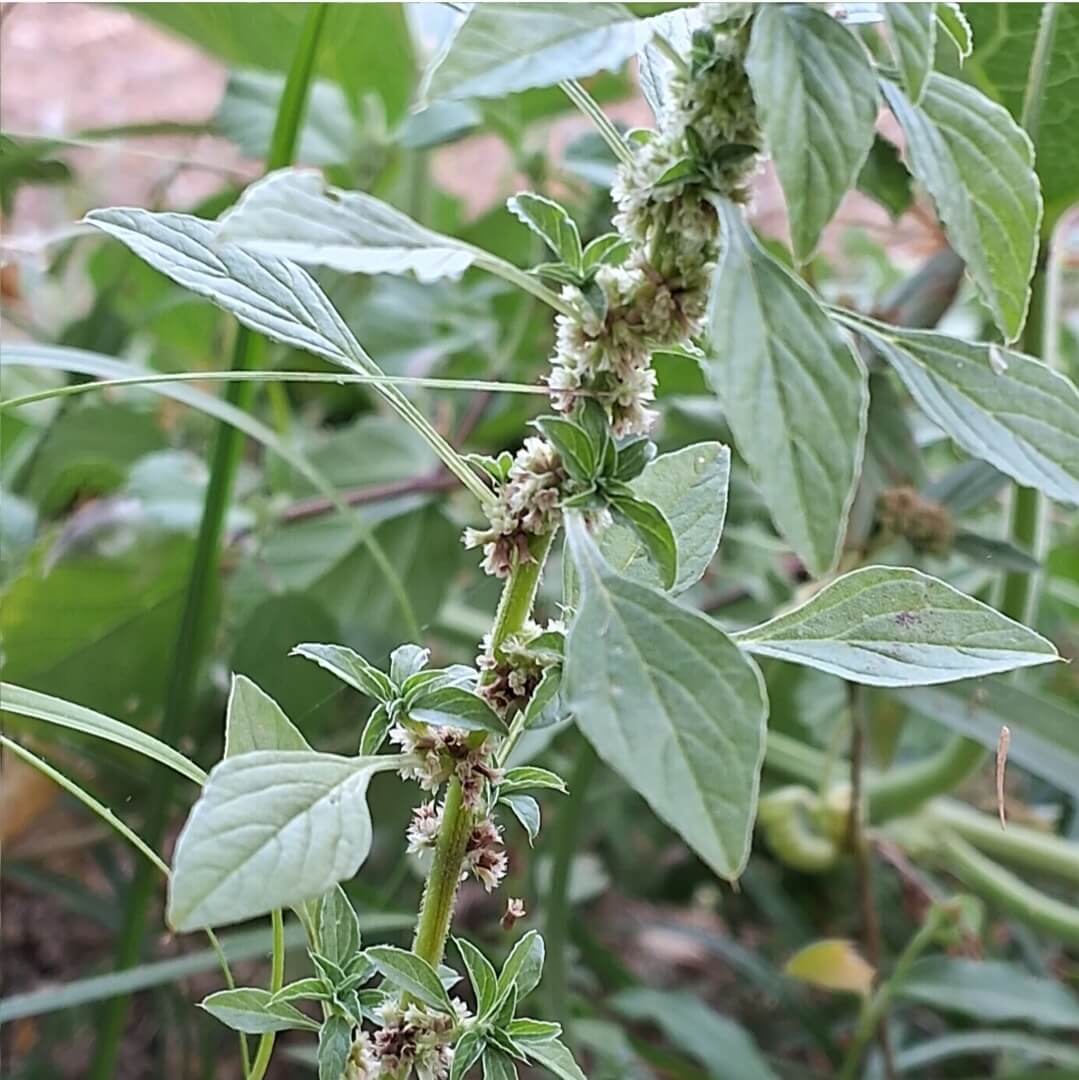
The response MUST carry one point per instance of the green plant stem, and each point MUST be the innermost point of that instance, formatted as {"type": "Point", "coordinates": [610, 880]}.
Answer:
{"type": "Point", "coordinates": [590, 107]}
{"type": "Point", "coordinates": [277, 980]}
{"type": "Point", "coordinates": [1009, 893]}
{"type": "Point", "coordinates": [200, 601]}
{"type": "Point", "coordinates": [876, 1006]}
{"type": "Point", "coordinates": [564, 847]}
{"type": "Point", "coordinates": [444, 877]}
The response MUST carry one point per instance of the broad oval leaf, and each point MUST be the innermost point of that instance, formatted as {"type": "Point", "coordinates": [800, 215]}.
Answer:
{"type": "Point", "coordinates": [669, 703]}
{"type": "Point", "coordinates": [293, 214]}
{"type": "Point", "coordinates": [817, 101]}
{"type": "Point", "coordinates": [1000, 405]}
{"type": "Point", "coordinates": [254, 721]}
{"type": "Point", "coordinates": [250, 1010]}
{"type": "Point", "coordinates": [272, 829]}
{"type": "Point", "coordinates": [894, 626]}
{"type": "Point", "coordinates": [523, 967]}
{"type": "Point", "coordinates": [526, 810]}
{"type": "Point", "coordinates": [793, 392]}
{"type": "Point", "coordinates": [500, 49]}
{"type": "Point", "coordinates": [690, 487]}
{"type": "Point", "coordinates": [350, 668]}
{"type": "Point", "coordinates": [978, 165]}
{"type": "Point", "coordinates": [913, 32]}
{"type": "Point", "coordinates": [992, 992]}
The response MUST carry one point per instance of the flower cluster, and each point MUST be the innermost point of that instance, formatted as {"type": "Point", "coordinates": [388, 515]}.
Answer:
{"type": "Point", "coordinates": [511, 678]}
{"type": "Point", "coordinates": [437, 753]}
{"type": "Point", "coordinates": [706, 146]}
{"type": "Point", "coordinates": [926, 525]}
{"type": "Point", "coordinates": [485, 856]}
{"type": "Point", "coordinates": [409, 1038]}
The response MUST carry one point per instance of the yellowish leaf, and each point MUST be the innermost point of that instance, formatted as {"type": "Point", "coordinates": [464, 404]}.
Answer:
{"type": "Point", "coordinates": [832, 964]}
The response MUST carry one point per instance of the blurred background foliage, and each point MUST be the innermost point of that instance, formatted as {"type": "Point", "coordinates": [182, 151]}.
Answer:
{"type": "Point", "coordinates": [102, 497]}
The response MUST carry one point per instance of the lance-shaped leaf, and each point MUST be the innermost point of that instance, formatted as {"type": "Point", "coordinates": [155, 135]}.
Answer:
{"type": "Point", "coordinates": [350, 668]}
{"type": "Point", "coordinates": [893, 626]}
{"type": "Point", "coordinates": [793, 392]}
{"type": "Point", "coordinates": [272, 829]}
{"type": "Point", "coordinates": [250, 1010]}
{"type": "Point", "coordinates": [653, 530]}
{"type": "Point", "coordinates": [254, 721]}
{"type": "Point", "coordinates": [913, 32]}
{"type": "Point", "coordinates": [454, 706]}
{"type": "Point", "coordinates": [669, 703]}
{"type": "Point", "coordinates": [978, 165]}
{"type": "Point", "coordinates": [411, 973]}
{"type": "Point", "coordinates": [817, 101]}
{"type": "Point", "coordinates": [1000, 405]}
{"type": "Point", "coordinates": [551, 223]}
{"type": "Point", "coordinates": [500, 49]}
{"type": "Point", "coordinates": [293, 214]}
{"type": "Point", "coordinates": [338, 927]}
{"type": "Point", "coordinates": [690, 487]}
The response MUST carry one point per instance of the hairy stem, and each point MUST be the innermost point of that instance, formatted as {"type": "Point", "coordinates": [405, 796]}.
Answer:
{"type": "Point", "coordinates": [444, 877]}
{"type": "Point", "coordinates": [201, 598]}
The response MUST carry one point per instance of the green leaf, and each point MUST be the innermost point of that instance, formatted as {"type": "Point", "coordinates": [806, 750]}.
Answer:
{"type": "Point", "coordinates": [670, 703]}
{"type": "Point", "coordinates": [885, 179]}
{"type": "Point", "coordinates": [338, 927]}
{"type": "Point", "coordinates": [978, 165]}
{"type": "Point", "coordinates": [334, 1047]}
{"type": "Point", "coordinates": [551, 224]}
{"type": "Point", "coordinates": [690, 487]}
{"type": "Point", "coordinates": [271, 830]}
{"type": "Point", "coordinates": [526, 810]}
{"type": "Point", "coordinates": [891, 626]}
{"type": "Point", "coordinates": [954, 23]}
{"type": "Point", "coordinates": [913, 32]}
{"type": "Point", "coordinates": [309, 989]}
{"type": "Point", "coordinates": [979, 1044]}
{"type": "Point", "coordinates": [793, 393]}
{"type": "Point", "coordinates": [366, 49]}
{"type": "Point", "coordinates": [1044, 729]}
{"type": "Point", "coordinates": [574, 446]}
{"type": "Point", "coordinates": [480, 973]}
{"type": "Point", "coordinates": [66, 714]}
{"type": "Point", "coordinates": [330, 134]}
{"type": "Point", "coordinates": [538, 1030]}
{"type": "Point", "coordinates": [269, 295]}
{"type": "Point", "coordinates": [523, 967]}
{"type": "Point", "coordinates": [606, 250]}
{"type": "Point", "coordinates": [998, 404]}
{"type": "Point", "coordinates": [654, 532]}
{"type": "Point", "coordinates": [721, 1046]}
{"type": "Point", "coordinates": [499, 49]}
{"type": "Point", "coordinates": [254, 721]}
{"type": "Point", "coordinates": [96, 630]}
{"type": "Point", "coordinates": [498, 1065]}
{"type": "Point", "coordinates": [1004, 66]}
{"type": "Point", "coordinates": [991, 992]}
{"type": "Point", "coordinates": [817, 101]}
{"type": "Point", "coordinates": [293, 214]}
{"type": "Point", "coordinates": [529, 777]}
{"type": "Point", "coordinates": [350, 668]}
{"type": "Point", "coordinates": [832, 964]}
{"type": "Point", "coordinates": [632, 459]}
{"type": "Point", "coordinates": [425, 682]}
{"type": "Point", "coordinates": [406, 661]}
{"type": "Point", "coordinates": [454, 706]}
{"type": "Point", "coordinates": [411, 973]}
{"type": "Point", "coordinates": [544, 708]}
{"type": "Point", "coordinates": [554, 1056]}
{"type": "Point", "coordinates": [466, 1053]}
{"type": "Point", "coordinates": [249, 1010]}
